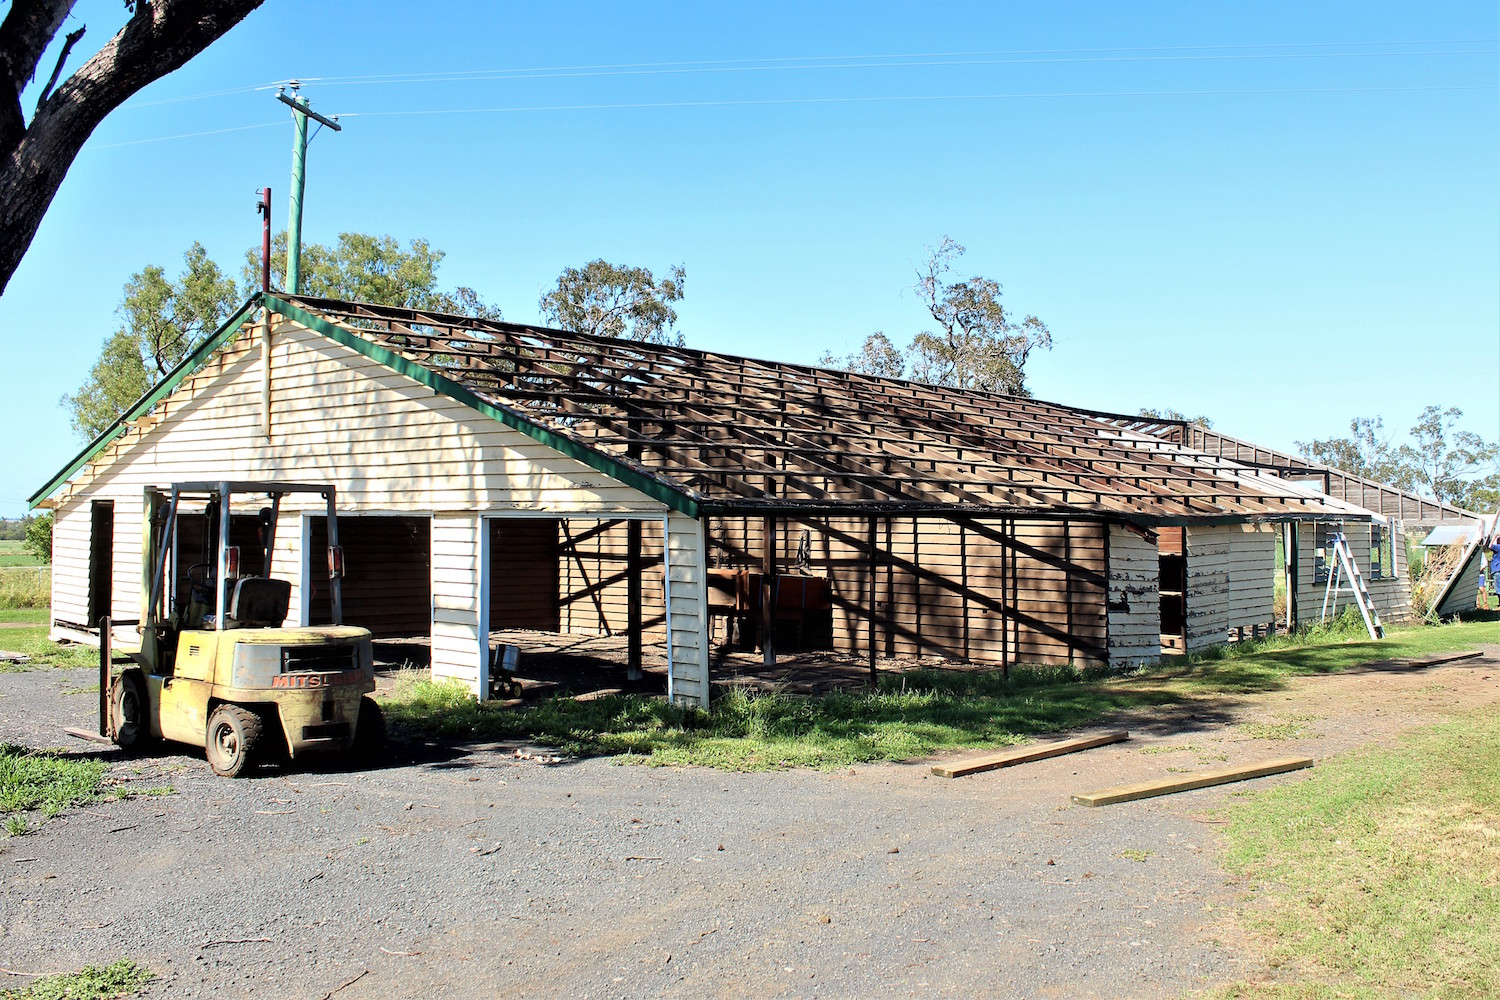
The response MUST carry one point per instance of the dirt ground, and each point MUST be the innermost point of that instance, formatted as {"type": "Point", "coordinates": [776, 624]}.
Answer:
{"type": "Point", "coordinates": [490, 869]}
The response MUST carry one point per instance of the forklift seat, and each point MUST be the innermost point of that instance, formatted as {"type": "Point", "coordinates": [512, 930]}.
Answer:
{"type": "Point", "coordinates": [259, 602]}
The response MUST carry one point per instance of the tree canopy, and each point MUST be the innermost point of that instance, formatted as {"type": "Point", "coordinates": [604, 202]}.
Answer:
{"type": "Point", "coordinates": [976, 344]}
{"type": "Point", "coordinates": [362, 267]}
{"type": "Point", "coordinates": [162, 320]}
{"type": "Point", "coordinates": [158, 37]}
{"type": "Point", "coordinates": [613, 300]}
{"type": "Point", "coordinates": [1170, 414]}
{"type": "Point", "coordinates": [1439, 459]}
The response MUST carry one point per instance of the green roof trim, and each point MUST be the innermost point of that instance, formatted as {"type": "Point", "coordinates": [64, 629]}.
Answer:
{"type": "Point", "coordinates": [174, 378]}
{"type": "Point", "coordinates": [600, 462]}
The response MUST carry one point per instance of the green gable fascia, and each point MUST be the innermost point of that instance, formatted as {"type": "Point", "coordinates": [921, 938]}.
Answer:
{"type": "Point", "coordinates": [174, 378]}
{"type": "Point", "coordinates": [598, 461]}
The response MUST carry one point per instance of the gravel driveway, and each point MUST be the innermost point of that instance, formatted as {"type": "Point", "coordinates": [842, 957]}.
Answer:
{"type": "Point", "coordinates": [482, 870]}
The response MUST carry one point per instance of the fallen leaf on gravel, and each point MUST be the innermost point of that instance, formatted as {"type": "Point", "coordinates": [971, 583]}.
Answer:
{"type": "Point", "coordinates": [894, 850]}
{"type": "Point", "coordinates": [402, 954]}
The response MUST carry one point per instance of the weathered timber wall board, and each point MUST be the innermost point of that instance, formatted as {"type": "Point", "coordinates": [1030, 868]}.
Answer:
{"type": "Point", "coordinates": [1034, 590]}
{"type": "Point", "coordinates": [1134, 599]}
{"type": "Point", "coordinates": [1231, 581]}
{"type": "Point", "coordinates": [593, 581]}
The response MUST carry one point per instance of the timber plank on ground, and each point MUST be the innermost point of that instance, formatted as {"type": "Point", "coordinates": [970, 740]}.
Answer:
{"type": "Point", "coordinates": [1188, 782]}
{"type": "Point", "coordinates": [1022, 755]}
{"type": "Point", "coordinates": [1424, 662]}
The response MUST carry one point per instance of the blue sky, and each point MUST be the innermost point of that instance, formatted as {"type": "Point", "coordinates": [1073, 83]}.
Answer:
{"type": "Point", "coordinates": [1280, 215]}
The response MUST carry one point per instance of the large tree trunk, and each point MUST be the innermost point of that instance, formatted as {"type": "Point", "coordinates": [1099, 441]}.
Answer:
{"type": "Point", "coordinates": [159, 37]}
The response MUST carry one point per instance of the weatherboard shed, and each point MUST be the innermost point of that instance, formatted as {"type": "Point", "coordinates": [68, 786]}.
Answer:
{"type": "Point", "coordinates": [494, 475]}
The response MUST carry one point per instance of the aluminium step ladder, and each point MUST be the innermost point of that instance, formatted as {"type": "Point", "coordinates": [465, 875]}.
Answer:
{"type": "Point", "coordinates": [1342, 569]}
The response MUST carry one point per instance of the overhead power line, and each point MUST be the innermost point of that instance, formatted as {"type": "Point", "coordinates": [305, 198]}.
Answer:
{"type": "Point", "coordinates": [994, 57]}
{"type": "Point", "coordinates": [892, 99]}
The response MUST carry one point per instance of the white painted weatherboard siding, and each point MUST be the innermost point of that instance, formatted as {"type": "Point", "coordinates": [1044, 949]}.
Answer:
{"type": "Point", "coordinates": [460, 634]}
{"type": "Point", "coordinates": [1134, 599]}
{"type": "Point", "coordinates": [687, 610]}
{"type": "Point", "coordinates": [386, 442]}
{"type": "Point", "coordinates": [1231, 581]}
{"type": "Point", "coordinates": [1391, 595]}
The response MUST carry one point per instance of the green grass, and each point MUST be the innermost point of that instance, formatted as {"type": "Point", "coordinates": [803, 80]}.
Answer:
{"type": "Point", "coordinates": [36, 616]}
{"type": "Point", "coordinates": [45, 782]}
{"type": "Point", "coordinates": [911, 715]}
{"type": "Point", "coordinates": [11, 554]}
{"type": "Point", "coordinates": [1381, 870]}
{"type": "Point", "coordinates": [120, 979]}
{"type": "Point", "coordinates": [43, 651]}
{"type": "Point", "coordinates": [1265, 664]}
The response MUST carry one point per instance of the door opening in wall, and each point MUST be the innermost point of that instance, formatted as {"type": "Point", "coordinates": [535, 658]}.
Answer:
{"type": "Point", "coordinates": [1171, 554]}
{"type": "Point", "coordinates": [101, 559]}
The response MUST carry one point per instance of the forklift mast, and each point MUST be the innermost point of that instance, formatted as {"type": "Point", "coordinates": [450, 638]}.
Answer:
{"type": "Point", "coordinates": [163, 614]}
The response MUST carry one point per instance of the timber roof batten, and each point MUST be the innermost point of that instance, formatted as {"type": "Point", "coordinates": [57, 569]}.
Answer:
{"type": "Point", "coordinates": [713, 433]}
{"type": "Point", "coordinates": [741, 436]}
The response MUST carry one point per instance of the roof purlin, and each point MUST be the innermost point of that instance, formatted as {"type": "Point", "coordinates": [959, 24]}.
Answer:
{"type": "Point", "coordinates": [875, 445]}
{"type": "Point", "coordinates": [671, 495]}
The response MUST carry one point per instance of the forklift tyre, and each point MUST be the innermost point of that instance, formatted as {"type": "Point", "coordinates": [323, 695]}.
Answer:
{"type": "Point", "coordinates": [232, 740]}
{"type": "Point", "coordinates": [369, 733]}
{"type": "Point", "coordinates": [128, 710]}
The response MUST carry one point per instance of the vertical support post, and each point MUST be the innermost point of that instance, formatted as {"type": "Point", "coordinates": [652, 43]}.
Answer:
{"type": "Point", "coordinates": [916, 579]}
{"type": "Point", "coordinates": [106, 653]}
{"type": "Point", "coordinates": [294, 200]}
{"type": "Point", "coordinates": [768, 592]}
{"type": "Point", "coordinates": [1290, 559]}
{"type": "Point", "coordinates": [963, 580]}
{"type": "Point", "coordinates": [633, 600]}
{"type": "Point", "coordinates": [1068, 582]}
{"type": "Point", "coordinates": [1007, 556]}
{"type": "Point", "coordinates": [890, 590]}
{"type": "Point", "coordinates": [305, 574]}
{"type": "Point", "coordinates": [482, 609]}
{"type": "Point", "coordinates": [1016, 600]}
{"type": "Point", "coordinates": [870, 618]}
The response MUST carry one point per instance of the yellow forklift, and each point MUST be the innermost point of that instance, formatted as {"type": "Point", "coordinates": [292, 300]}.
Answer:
{"type": "Point", "coordinates": [217, 668]}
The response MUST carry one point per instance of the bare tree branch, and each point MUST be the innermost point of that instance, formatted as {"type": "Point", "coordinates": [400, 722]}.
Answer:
{"type": "Point", "coordinates": [160, 36]}
{"type": "Point", "coordinates": [27, 30]}
{"type": "Point", "coordinates": [62, 57]}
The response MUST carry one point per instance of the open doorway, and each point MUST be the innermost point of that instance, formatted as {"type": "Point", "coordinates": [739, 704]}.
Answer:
{"type": "Point", "coordinates": [1171, 554]}
{"type": "Point", "coordinates": [576, 605]}
{"type": "Point", "coordinates": [101, 560]}
{"type": "Point", "coordinates": [387, 584]}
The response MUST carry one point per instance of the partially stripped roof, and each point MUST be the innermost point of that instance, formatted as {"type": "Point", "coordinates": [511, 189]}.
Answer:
{"type": "Point", "coordinates": [1381, 498]}
{"type": "Point", "coordinates": [736, 435]}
